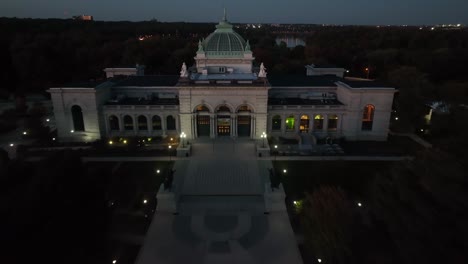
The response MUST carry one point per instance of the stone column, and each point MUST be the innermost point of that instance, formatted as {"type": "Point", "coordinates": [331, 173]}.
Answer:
{"type": "Point", "coordinates": [163, 125]}
{"type": "Point", "coordinates": [106, 120]}
{"type": "Point", "coordinates": [177, 124]}
{"type": "Point", "coordinates": [212, 128]}
{"type": "Point", "coordinates": [297, 123]}
{"type": "Point", "coordinates": [311, 124]}
{"type": "Point", "coordinates": [121, 123]}
{"type": "Point", "coordinates": [135, 124]}
{"type": "Point", "coordinates": [283, 124]}
{"type": "Point", "coordinates": [325, 123]}
{"type": "Point", "coordinates": [149, 123]}
{"type": "Point", "coordinates": [232, 126]}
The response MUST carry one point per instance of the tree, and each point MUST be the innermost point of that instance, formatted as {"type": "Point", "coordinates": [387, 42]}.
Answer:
{"type": "Point", "coordinates": [327, 221]}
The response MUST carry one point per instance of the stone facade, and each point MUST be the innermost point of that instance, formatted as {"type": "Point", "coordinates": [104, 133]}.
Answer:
{"type": "Point", "coordinates": [222, 95]}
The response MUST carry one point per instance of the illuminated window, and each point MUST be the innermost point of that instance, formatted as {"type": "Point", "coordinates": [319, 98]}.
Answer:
{"type": "Point", "coordinates": [223, 108]}
{"type": "Point", "coordinates": [318, 122]}
{"type": "Point", "coordinates": [304, 124]}
{"type": "Point", "coordinates": [332, 122]}
{"type": "Point", "coordinates": [244, 108]}
{"type": "Point", "coordinates": [368, 117]}
{"type": "Point", "coordinates": [77, 115]}
{"type": "Point", "coordinates": [202, 108]}
{"type": "Point", "coordinates": [276, 123]}
{"type": "Point", "coordinates": [142, 123]}
{"type": "Point", "coordinates": [156, 123]}
{"type": "Point", "coordinates": [290, 123]}
{"type": "Point", "coordinates": [128, 122]}
{"type": "Point", "coordinates": [114, 123]}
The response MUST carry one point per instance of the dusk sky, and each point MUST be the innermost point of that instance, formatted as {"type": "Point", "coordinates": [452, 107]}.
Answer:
{"type": "Point", "coordinates": [374, 12]}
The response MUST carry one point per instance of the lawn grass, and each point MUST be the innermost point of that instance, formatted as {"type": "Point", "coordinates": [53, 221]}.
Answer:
{"type": "Point", "coordinates": [305, 176]}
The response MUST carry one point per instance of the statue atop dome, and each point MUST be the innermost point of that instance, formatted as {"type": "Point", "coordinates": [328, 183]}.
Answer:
{"type": "Point", "coordinates": [183, 71]}
{"type": "Point", "coordinates": [262, 73]}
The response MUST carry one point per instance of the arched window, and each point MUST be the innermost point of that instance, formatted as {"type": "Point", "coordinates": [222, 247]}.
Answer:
{"type": "Point", "coordinates": [304, 124]}
{"type": "Point", "coordinates": [128, 122]}
{"type": "Point", "coordinates": [170, 121]}
{"type": "Point", "coordinates": [77, 116]}
{"type": "Point", "coordinates": [368, 117]}
{"type": "Point", "coordinates": [290, 123]}
{"type": "Point", "coordinates": [156, 122]}
{"type": "Point", "coordinates": [142, 123]}
{"type": "Point", "coordinates": [244, 108]}
{"type": "Point", "coordinates": [332, 122]}
{"type": "Point", "coordinates": [318, 122]}
{"type": "Point", "coordinates": [223, 108]}
{"type": "Point", "coordinates": [202, 108]}
{"type": "Point", "coordinates": [114, 123]}
{"type": "Point", "coordinates": [276, 123]}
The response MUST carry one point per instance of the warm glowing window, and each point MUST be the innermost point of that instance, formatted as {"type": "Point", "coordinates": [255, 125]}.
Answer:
{"type": "Point", "coordinates": [332, 122]}
{"type": "Point", "coordinates": [368, 117]}
{"type": "Point", "coordinates": [304, 124]}
{"type": "Point", "coordinates": [318, 122]}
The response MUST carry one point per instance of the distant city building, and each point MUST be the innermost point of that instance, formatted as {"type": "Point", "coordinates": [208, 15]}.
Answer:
{"type": "Point", "coordinates": [224, 95]}
{"type": "Point", "coordinates": [83, 17]}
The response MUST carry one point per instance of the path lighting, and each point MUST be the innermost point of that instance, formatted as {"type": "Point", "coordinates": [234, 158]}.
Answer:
{"type": "Point", "coordinates": [276, 151]}
{"type": "Point", "coordinates": [263, 136]}
{"type": "Point", "coordinates": [72, 131]}
{"type": "Point", "coordinates": [25, 133]}
{"type": "Point", "coordinates": [367, 71]}
{"type": "Point", "coordinates": [114, 261]}
{"type": "Point", "coordinates": [125, 141]}
{"type": "Point", "coordinates": [53, 139]}
{"type": "Point", "coordinates": [422, 130]}
{"type": "Point", "coordinates": [359, 204]}
{"type": "Point", "coordinates": [284, 171]}
{"type": "Point", "coordinates": [295, 202]}
{"type": "Point", "coordinates": [47, 120]}
{"type": "Point", "coordinates": [145, 201]}
{"type": "Point", "coordinates": [319, 260]}
{"type": "Point", "coordinates": [158, 171]}
{"type": "Point", "coordinates": [183, 136]}
{"type": "Point", "coordinates": [110, 142]}
{"type": "Point", "coordinates": [11, 145]}
{"type": "Point", "coordinates": [171, 139]}
{"type": "Point", "coordinates": [396, 118]}
{"type": "Point", "coordinates": [170, 151]}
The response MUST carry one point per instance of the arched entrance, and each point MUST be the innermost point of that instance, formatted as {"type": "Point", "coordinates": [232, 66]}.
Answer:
{"type": "Point", "coordinates": [244, 121]}
{"type": "Point", "coordinates": [223, 121]}
{"type": "Point", "coordinates": [203, 121]}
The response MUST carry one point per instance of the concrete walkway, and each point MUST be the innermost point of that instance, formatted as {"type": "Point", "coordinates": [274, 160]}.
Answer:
{"type": "Point", "coordinates": [221, 212]}
{"type": "Point", "coordinates": [414, 137]}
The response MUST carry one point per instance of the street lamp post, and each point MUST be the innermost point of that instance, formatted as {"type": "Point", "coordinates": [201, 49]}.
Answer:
{"type": "Point", "coordinates": [276, 151]}
{"type": "Point", "coordinates": [183, 136]}
{"type": "Point", "coordinates": [263, 136]}
{"type": "Point", "coordinates": [367, 71]}
{"type": "Point", "coordinates": [170, 152]}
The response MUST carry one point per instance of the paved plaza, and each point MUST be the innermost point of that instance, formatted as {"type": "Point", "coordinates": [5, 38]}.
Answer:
{"type": "Point", "coordinates": [221, 215]}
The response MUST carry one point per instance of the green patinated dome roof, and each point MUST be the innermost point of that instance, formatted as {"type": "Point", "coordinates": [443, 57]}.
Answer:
{"type": "Point", "coordinates": [224, 41]}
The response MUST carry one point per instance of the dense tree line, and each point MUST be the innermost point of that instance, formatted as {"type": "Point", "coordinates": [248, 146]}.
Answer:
{"type": "Point", "coordinates": [54, 210]}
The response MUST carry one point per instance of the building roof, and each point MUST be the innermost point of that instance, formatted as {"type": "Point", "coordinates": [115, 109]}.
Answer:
{"type": "Point", "coordinates": [149, 81]}
{"type": "Point", "coordinates": [144, 101]}
{"type": "Point", "coordinates": [302, 101]}
{"type": "Point", "coordinates": [302, 80]}
{"type": "Point", "coordinates": [364, 83]}
{"type": "Point", "coordinates": [224, 42]}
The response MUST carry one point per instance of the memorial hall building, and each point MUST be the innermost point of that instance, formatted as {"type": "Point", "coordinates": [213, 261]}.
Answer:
{"type": "Point", "coordinates": [223, 95]}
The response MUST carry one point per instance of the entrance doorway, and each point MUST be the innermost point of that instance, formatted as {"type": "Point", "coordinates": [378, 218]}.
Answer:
{"type": "Point", "coordinates": [203, 125]}
{"type": "Point", "coordinates": [243, 126]}
{"type": "Point", "coordinates": [224, 125]}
